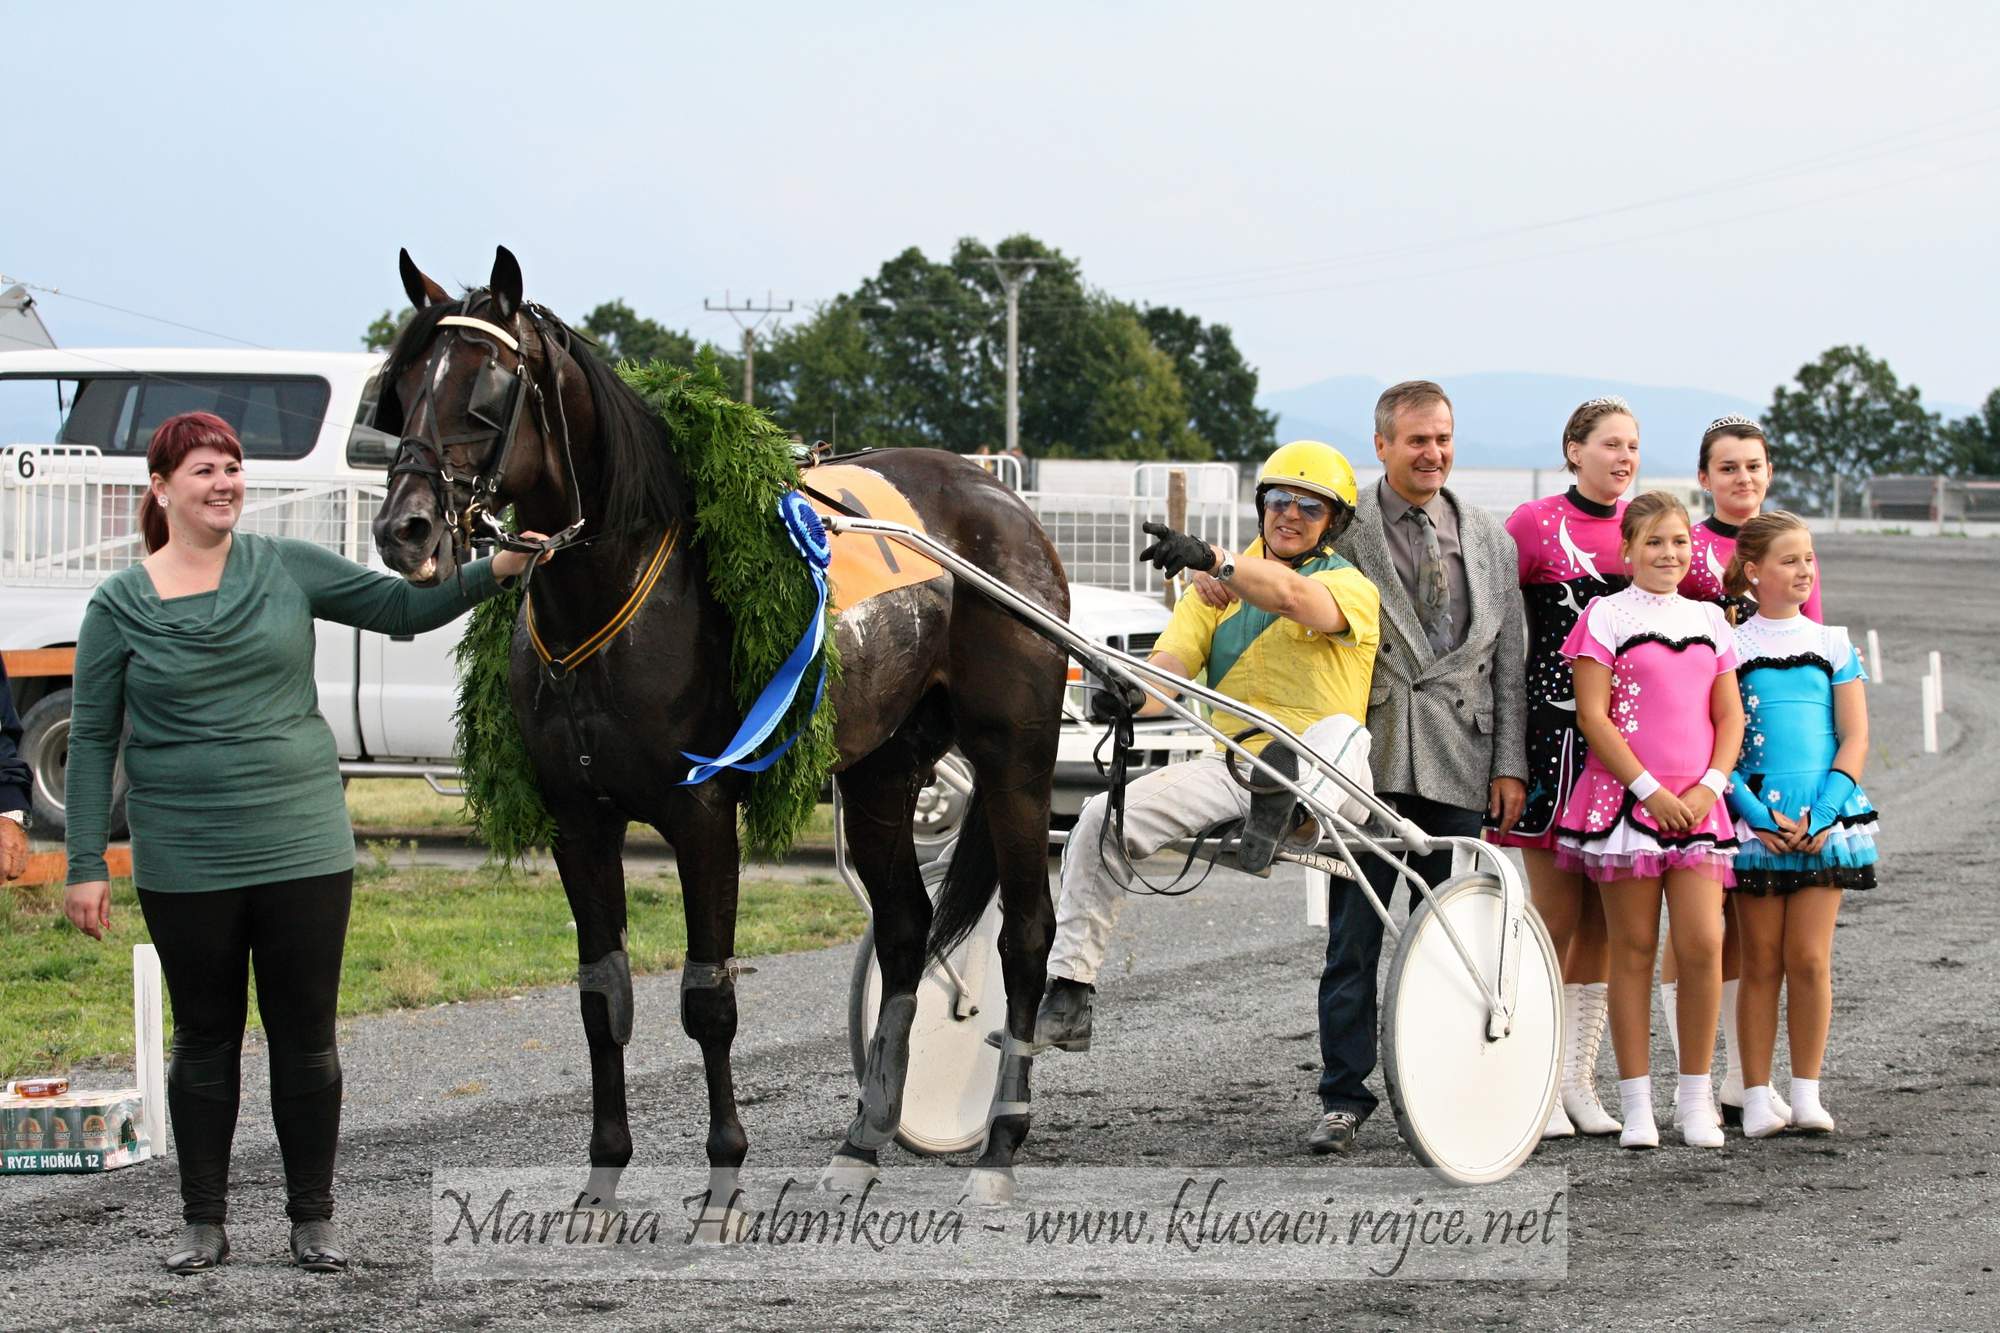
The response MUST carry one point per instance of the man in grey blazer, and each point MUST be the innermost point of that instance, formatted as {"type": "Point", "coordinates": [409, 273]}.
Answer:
{"type": "Point", "coordinates": [1446, 709]}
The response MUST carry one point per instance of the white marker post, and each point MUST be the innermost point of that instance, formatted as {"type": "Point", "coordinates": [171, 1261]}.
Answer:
{"type": "Point", "coordinates": [1875, 656]}
{"type": "Point", "coordinates": [1930, 715]}
{"type": "Point", "coordinates": [1937, 676]}
{"type": "Point", "coordinates": [149, 1063]}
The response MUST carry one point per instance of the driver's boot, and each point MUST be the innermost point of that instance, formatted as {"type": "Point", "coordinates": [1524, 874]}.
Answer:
{"type": "Point", "coordinates": [1270, 816]}
{"type": "Point", "coordinates": [1063, 1021]}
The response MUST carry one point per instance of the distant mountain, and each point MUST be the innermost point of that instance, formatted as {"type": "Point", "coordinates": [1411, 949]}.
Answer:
{"type": "Point", "coordinates": [1505, 419]}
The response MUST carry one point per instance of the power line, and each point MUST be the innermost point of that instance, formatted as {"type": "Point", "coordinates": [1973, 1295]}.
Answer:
{"type": "Point", "coordinates": [136, 314]}
{"type": "Point", "coordinates": [1847, 156]}
{"type": "Point", "coordinates": [1612, 243]}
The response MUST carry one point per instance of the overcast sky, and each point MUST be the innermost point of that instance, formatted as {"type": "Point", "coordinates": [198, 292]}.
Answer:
{"type": "Point", "coordinates": [1707, 196]}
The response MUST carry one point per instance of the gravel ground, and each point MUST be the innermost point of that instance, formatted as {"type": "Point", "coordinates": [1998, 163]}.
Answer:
{"type": "Point", "coordinates": [1204, 1054]}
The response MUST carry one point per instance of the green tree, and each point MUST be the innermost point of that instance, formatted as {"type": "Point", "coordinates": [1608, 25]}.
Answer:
{"type": "Point", "coordinates": [1221, 386]}
{"type": "Point", "coordinates": [818, 377]}
{"type": "Point", "coordinates": [1972, 444]}
{"type": "Point", "coordinates": [916, 355]}
{"type": "Point", "coordinates": [622, 334]}
{"type": "Point", "coordinates": [1849, 418]}
{"type": "Point", "coordinates": [381, 335]}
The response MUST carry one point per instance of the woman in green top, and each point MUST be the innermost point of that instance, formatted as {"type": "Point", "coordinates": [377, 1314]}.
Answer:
{"type": "Point", "coordinates": [240, 840]}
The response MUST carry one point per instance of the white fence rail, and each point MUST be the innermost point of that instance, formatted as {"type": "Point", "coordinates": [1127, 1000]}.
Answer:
{"type": "Point", "coordinates": [70, 519]}
{"type": "Point", "coordinates": [1099, 536]}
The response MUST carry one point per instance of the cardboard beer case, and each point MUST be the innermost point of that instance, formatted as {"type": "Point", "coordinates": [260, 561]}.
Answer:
{"type": "Point", "coordinates": [77, 1131]}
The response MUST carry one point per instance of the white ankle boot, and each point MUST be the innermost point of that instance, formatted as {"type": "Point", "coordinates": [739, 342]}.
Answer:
{"type": "Point", "coordinates": [1558, 1126]}
{"type": "Point", "coordinates": [1635, 1100]}
{"type": "Point", "coordinates": [1583, 1024]}
{"type": "Point", "coordinates": [1695, 1116]}
{"type": "Point", "coordinates": [1760, 1118]}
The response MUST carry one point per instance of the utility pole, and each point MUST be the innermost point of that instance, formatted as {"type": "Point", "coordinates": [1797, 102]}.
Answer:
{"type": "Point", "coordinates": [1014, 275]}
{"type": "Point", "coordinates": [736, 312]}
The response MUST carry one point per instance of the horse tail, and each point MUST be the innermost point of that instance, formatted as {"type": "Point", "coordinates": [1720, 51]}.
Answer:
{"type": "Point", "coordinates": [969, 880]}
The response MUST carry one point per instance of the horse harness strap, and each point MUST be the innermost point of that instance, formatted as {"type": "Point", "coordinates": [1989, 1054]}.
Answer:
{"type": "Point", "coordinates": [506, 339]}
{"type": "Point", "coordinates": [559, 667]}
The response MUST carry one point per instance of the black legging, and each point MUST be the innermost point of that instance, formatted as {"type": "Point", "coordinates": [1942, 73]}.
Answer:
{"type": "Point", "coordinates": [295, 929]}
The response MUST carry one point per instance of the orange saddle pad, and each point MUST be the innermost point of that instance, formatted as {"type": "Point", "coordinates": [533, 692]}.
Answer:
{"type": "Point", "coordinates": [865, 566]}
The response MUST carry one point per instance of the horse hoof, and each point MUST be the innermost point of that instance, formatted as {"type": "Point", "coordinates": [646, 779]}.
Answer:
{"type": "Point", "coordinates": [726, 1226]}
{"type": "Point", "coordinates": [601, 1190]}
{"type": "Point", "coordinates": [990, 1185]}
{"type": "Point", "coordinates": [848, 1175]}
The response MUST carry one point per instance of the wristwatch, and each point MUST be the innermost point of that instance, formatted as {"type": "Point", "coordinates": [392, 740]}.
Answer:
{"type": "Point", "coordinates": [1225, 568]}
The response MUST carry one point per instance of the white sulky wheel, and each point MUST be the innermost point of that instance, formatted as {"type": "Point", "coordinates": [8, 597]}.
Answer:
{"type": "Point", "coordinates": [1471, 1109]}
{"type": "Point", "coordinates": [952, 1069]}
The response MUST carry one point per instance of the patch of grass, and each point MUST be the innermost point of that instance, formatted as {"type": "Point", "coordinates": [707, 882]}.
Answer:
{"type": "Point", "coordinates": [402, 803]}
{"type": "Point", "coordinates": [409, 805]}
{"type": "Point", "coordinates": [417, 937]}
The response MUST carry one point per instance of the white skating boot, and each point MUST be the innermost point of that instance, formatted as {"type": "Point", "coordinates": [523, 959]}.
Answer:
{"type": "Point", "coordinates": [1583, 1024]}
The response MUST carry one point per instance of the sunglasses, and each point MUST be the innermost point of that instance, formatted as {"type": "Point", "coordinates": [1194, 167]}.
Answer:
{"type": "Point", "coordinates": [1309, 506]}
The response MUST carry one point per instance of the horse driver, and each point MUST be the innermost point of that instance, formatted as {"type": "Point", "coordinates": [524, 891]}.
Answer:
{"type": "Point", "coordinates": [1297, 643]}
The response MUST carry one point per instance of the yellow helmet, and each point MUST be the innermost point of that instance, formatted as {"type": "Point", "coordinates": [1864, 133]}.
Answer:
{"type": "Point", "coordinates": [1309, 465]}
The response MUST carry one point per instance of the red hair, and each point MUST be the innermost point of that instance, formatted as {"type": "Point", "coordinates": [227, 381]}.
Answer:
{"type": "Point", "coordinates": [176, 438]}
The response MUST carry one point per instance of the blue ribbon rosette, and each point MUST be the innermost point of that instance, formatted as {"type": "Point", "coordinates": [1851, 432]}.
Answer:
{"type": "Point", "coordinates": [809, 538]}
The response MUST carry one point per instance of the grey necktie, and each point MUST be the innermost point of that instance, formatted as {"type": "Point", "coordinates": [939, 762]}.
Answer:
{"type": "Point", "coordinates": [1433, 593]}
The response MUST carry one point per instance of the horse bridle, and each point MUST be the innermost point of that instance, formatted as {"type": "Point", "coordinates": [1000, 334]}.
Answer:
{"type": "Point", "coordinates": [499, 394]}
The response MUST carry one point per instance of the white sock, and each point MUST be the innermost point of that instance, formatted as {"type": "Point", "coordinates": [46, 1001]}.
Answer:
{"type": "Point", "coordinates": [1670, 996]}
{"type": "Point", "coordinates": [1729, 1045]}
{"type": "Point", "coordinates": [1693, 1090]}
{"type": "Point", "coordinates": [1635, 1096]}
{"type": "Point", "coordinates": [1805, 1095]}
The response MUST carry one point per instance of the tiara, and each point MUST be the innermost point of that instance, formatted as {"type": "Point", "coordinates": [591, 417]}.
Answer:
{"type": "Point", "coordinates": [1612, 401]}
{"type": "Point", "coordinates": [1733, 422]}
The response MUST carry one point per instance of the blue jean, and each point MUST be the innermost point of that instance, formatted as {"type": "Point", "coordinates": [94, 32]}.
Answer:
{"type": "Point", "coordinates": [1347, 1021]}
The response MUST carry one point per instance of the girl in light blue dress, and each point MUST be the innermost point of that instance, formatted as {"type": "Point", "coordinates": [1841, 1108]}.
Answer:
{"type": "Point", "coordinates": [1806, 828]}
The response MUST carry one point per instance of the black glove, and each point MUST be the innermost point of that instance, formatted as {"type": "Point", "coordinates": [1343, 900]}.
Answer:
{"type": "Point", "coordinates": [1103, 705]}
{"type": "Point", "coordinates": [1174, 551]}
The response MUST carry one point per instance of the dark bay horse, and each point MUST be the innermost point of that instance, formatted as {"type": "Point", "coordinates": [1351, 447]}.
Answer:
{"type": "Point", "coordinates": [497, 402]}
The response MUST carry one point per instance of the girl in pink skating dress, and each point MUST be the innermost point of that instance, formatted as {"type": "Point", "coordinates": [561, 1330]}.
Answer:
{"type": "Point", "coordinates": [1657, 701]}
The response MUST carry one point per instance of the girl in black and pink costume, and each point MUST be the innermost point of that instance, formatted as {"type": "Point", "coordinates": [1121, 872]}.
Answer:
{"type": "Point", "coordinates": [1569, 551]}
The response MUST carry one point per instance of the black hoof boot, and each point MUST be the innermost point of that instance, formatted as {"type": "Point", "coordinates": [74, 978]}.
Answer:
{"type": "Point", "coordinates": [1270, 814]}
{"type": "Point", "coordinates": [316, 1246]}
{"type": "Point", "coordinates": [202, 1246]}
{"type": "Point", "coordinates": [1063, 1021]}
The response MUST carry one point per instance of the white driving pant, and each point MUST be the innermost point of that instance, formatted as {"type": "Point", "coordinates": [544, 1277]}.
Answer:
{"type": "Point", "coordinates": [1163, 806]}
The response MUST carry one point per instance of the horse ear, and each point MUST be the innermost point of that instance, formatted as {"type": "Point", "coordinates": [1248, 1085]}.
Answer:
{"type": "Point", "coordinates": [505, 284]}
{"type": "Point", "coordinates": [420, 289]}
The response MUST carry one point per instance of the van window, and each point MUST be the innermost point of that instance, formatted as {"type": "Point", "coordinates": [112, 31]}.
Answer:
{"type": "Point", "coordinates": [100, 414]}
{"type": "Point", "coordinates": [273, 417]}
{"type": "Point", "coordinates": [366, 446]}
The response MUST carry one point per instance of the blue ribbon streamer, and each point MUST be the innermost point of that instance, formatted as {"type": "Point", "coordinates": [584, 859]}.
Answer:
{"type": "Point", "coordinates": [809, 538]}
